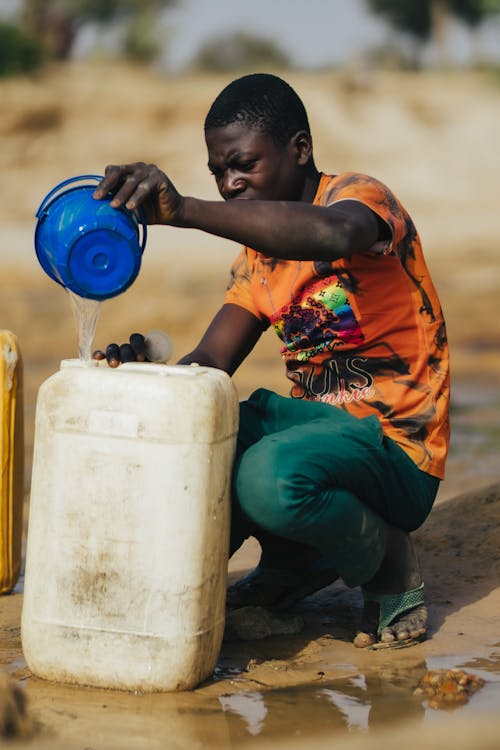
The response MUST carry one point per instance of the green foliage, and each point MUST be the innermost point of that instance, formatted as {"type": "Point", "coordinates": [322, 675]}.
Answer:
{"type": "Point", "coordinates": [141, 44]}
{"type": "Point", "coordinates": [415, 16]}
{"type": "Point", "coordinates": [470, 11]}
{"type": "Point", "coordinates": [407, 15]}
{"type": "Point", "coordinates": [56, 23]}
{"type": "Point", "coordinates": [240, 51]}
{"type": "Point", "coordinates": [19, 53]}
{"type": "Point", "coordinates": [106, 10]}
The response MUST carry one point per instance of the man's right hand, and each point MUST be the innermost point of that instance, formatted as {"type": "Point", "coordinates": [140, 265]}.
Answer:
{"type": "Point", "coordinates": [142, 185]}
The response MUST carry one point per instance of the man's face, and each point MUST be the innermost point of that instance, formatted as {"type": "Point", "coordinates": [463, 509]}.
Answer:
{"type": "Point", "coordinates": [249, 164]}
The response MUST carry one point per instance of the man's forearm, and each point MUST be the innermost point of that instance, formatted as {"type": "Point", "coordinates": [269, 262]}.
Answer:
{"type": "Point", "coordinates": [288, 230]}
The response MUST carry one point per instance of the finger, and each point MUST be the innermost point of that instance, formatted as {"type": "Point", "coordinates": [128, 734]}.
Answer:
{"type": "Point", "coordinates": [144, 181]}
{"type": "Point", "coordinates": [112, 176]}
{"type": "Point", "coordinates": [127, 354]}
{"type": "Point", "coordinates": [136, 190]}
{"type": "Point", "coordinates": [122, 182]}
{"type": "Point", "coordinates": [138, 344]}
{"type": "Point", "coordinates": [113, 355]}
{"type": "Point", "coordinates": [129, 194]}
{"type": "Point", "coordinates": [98, 354]}
{"type": "Point", "coordinates": [131, 183]}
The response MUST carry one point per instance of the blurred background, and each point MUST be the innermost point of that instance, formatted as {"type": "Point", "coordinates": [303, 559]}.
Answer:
{"type": "Point", "coordinates": [406, 91]}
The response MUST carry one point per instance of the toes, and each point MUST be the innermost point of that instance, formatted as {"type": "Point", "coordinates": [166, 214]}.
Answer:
{"type": "Point", "coordinates": [410, 625]}
{"type": "Point", "coordinates": [413, 624]}
{"type": "Point", "coordinates": [387, 635]}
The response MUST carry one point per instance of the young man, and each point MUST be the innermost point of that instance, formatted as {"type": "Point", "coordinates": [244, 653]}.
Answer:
{"type": "Point", "coordinates": [332, 480]}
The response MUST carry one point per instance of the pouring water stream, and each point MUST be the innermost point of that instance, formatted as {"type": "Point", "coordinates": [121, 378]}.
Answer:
{"type": "Point", "coordinates": [86, 313]}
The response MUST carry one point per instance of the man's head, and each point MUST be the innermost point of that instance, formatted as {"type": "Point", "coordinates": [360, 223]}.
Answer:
{"type": "Point", "coordinates": [259, 141]}
{"type": "Point", "coordinates": [263, 102]}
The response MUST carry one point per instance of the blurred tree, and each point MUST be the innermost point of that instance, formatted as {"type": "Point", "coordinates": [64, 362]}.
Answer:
{"type": "Point", "coordinates": [474, 11]}
{"type": "Point", "coordinates": [406, 15]}
{"type": "Point", "coordinates": [426, 19]}
{"type": "Point", "coordinates": [417, 17]}
{"type": "Point", "coordinates": [239, 50]}
{"type": "Point", "coordinates": [19, 53]}
{"type": "Point", "coordinates": [56, 22]}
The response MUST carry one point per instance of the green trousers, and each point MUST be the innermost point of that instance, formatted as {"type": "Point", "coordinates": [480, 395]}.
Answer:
{"type": "Point", "coordinates": [311, 480]}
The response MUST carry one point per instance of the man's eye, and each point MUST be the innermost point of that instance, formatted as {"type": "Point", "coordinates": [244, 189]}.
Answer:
{"type": "Point", "coordinates": [246, 166]}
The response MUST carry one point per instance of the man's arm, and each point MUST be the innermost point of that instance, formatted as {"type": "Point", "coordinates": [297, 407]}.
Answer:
{"type": "Point", "coordinates": [229, 338]}
{"type": "Point", "coordinates": [279, 229]}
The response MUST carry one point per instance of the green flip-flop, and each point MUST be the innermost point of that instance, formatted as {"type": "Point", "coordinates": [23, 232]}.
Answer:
{"type": "Point", "coordinates": [392, 605]}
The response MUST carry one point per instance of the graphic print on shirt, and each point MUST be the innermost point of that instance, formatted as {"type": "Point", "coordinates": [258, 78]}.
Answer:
{"type": "Point", "coordinates": [347, 377]}
{"type": "Point", "coordinates": [318, 319]}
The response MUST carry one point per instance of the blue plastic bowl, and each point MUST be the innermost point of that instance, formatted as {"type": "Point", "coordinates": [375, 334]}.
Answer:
{"type": "Point", "coordinates": [86, 245]}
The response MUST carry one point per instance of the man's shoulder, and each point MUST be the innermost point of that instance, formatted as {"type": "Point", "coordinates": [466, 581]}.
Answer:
{"type": "Point", "coordinates": [352, 179]}
{"type": "Point", "coordinates": [358, 186]}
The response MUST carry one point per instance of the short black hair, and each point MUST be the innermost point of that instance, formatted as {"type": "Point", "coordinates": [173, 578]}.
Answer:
{"type": "Point", "coordinates": [261, 101]}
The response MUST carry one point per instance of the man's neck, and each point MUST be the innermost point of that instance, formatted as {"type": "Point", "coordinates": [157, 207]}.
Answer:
{"type": "Point", "coordinates": [311, 184]}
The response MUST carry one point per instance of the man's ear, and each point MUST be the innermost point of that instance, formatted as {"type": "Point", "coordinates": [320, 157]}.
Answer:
{"type": "Point", "coordinates": [301, 143]}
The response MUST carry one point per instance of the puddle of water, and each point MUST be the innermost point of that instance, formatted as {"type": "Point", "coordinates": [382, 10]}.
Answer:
{"type": "Point", "coordinates": [355, 712]}
{"type": "Point", "coordinates": [352, 705]}
{"type": "Point", "coordinates": [250, 707]}
{"type": "Point", "coordinates": [356, 704]}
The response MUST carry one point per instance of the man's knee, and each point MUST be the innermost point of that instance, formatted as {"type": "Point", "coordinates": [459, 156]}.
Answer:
{"type": "Point", "coordinates": [272, 487]}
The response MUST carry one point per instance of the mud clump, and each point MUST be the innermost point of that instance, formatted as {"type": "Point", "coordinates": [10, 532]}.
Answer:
{"type": "Point", "coordinates": [447, 688]}
{"type": "Point", "coordinates": [14, 717]}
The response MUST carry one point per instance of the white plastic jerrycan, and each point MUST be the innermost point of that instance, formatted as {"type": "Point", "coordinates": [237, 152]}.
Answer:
{"type": "Point", "coordinates": [126, 560]}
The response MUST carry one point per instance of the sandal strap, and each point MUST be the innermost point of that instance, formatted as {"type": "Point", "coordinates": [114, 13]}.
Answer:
{"type": "Point", "coordinates": [392, 605]}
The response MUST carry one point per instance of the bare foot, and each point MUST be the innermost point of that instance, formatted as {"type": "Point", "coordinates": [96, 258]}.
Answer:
{"type": "Point", "coordinates": [398, 575]}
{"type": "Point", "coordinates": [411, 625]}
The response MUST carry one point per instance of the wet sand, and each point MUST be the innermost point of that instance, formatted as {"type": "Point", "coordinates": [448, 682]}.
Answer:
{"type": "Point", "coordinates": [311, 686]}
{"type": "Point", "coordinates": [300, 690]}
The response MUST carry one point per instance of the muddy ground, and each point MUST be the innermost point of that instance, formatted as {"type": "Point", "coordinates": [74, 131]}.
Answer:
{"type": "Point", "coordinates": [432, 138]}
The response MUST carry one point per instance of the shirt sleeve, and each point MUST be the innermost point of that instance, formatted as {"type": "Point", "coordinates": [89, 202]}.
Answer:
{"type": "Point", "coordinates": [239, 288]}
{"type": "Point", "coordinates": [378, 197]}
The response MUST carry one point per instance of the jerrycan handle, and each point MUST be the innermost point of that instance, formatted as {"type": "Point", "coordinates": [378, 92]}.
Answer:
{"type": "Point", "coordinates": [80, 178]}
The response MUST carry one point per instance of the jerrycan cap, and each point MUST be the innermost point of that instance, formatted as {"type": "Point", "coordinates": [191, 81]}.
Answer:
{"type": "Point", "coordinates": [86, 245]}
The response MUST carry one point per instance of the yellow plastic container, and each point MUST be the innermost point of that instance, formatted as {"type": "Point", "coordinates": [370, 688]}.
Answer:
{"type": "Point", "coordinates": [126, 557]}
{"type": "Point", "coordinates": [12, 466]}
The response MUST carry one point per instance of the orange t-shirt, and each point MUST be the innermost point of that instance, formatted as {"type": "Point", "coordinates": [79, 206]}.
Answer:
{"type": "Point", "coordinates": [364, 333]}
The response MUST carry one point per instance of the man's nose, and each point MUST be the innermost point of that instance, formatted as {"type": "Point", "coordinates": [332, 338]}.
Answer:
{"type": "Point", "coordinates": [233, 184]}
